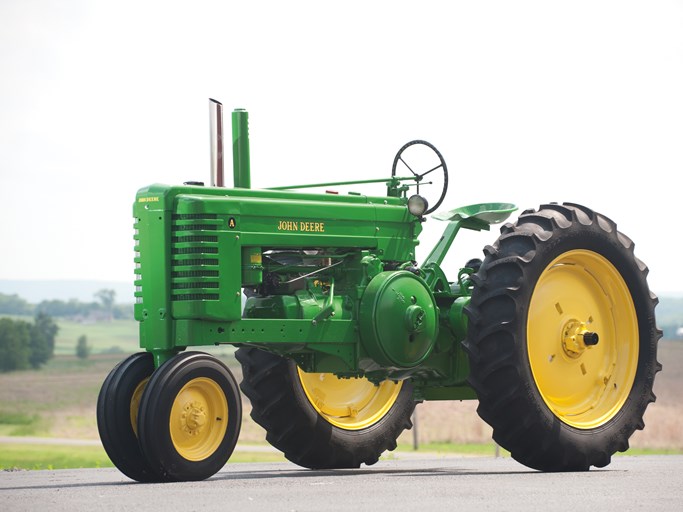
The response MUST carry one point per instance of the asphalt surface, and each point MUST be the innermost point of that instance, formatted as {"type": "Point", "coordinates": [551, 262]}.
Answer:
{"type": "Point", "coordinates": [649, 483]}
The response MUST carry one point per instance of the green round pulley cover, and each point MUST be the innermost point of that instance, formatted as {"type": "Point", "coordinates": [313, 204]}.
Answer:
{"type": "Point", "coordinates": [398, 319]}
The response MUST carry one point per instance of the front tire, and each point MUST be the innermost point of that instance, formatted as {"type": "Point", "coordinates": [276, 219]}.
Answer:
{"type": "Point", "coordinates": [319, 421]}
{"type": "Point", "coordinates": [190, 417]}
{"type": "Point", "coordinates": [562, 339]}
{"type": "Point", "coordinates": [117, 414]}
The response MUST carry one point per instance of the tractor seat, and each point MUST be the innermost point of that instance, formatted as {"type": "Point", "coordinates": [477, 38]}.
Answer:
{"type": "Point", "coordinates": [489, 213]}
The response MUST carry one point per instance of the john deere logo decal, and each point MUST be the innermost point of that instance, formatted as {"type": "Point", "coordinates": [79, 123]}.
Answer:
{"type": "Point", "coordinates": [311, 227]}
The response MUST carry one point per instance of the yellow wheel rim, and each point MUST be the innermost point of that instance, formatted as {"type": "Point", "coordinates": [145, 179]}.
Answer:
{"type": "Point", "coordinates": [199, 419]}
{"type": "Point", "coordinates": [135, 404]}
{"type": "Point", "coordinates": [581, 299]}
{"type": "Point", "coordinates": [351, 404]}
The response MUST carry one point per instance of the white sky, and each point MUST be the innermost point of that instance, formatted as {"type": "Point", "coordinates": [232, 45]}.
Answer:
{"type": "Point", "coordinates": [529, 102]}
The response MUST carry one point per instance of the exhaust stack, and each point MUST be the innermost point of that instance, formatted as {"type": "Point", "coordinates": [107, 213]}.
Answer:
{"type": "Point", "coordinates": [216, 121]}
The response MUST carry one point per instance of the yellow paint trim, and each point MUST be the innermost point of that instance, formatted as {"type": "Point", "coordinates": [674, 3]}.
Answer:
{"type": "Point", "coordinates": [350, 404]}
{"type": "Point", "coordinates": [135, 404]}
{"type": "Point", "coordinates": [199, 419]}
{"type": "Point", "coordinates": [581, 291]}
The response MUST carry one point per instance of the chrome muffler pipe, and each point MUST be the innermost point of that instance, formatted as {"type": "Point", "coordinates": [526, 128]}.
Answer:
{"type": "Point", "coordinates": [216, 121]}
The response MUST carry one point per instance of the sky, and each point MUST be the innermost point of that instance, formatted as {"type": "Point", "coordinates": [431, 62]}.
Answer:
{"type": "Point", "coordinates": [528, 101]}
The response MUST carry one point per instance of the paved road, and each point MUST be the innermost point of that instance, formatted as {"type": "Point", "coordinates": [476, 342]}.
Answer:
{"type": "Point", "coordinates": [630, 483]}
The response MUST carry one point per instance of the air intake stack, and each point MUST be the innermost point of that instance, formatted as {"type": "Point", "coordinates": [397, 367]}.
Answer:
{"type": "Point", "coordinates": [240, 146]}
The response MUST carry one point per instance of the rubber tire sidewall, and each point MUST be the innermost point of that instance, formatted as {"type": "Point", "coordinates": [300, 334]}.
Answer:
{"type": "Point", "coordinates": [606, 437]}
{"type": "Point", "coordinates": [521, 420]}
{"type": "Point", "coordinates": [295, 427]}
{"type": "Point", "coordinates": [113, 417]}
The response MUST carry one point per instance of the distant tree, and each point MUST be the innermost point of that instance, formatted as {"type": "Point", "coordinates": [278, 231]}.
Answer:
{"type": "Point", "coordinates": [82, 347]}
{"type": "Point", "coordinates": [42, 342]}
{"type": "Point", "coordinates": [106, 297]}
{"type": "Point", "coordinates": [14, 305]}
{"type": "Point", "coordinates": [14, 344]}
{"type": "Point", "coordinates": [124, 312]}
{"type": "Point", "coordinates": [71, 308]}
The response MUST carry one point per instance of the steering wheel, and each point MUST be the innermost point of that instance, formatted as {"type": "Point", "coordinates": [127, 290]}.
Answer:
{"type": "Point", "coordinates": [417, 152]}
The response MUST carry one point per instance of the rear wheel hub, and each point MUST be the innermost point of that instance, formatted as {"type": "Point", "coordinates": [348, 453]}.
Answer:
{"type": "Point", "coordinates": [576, 338]}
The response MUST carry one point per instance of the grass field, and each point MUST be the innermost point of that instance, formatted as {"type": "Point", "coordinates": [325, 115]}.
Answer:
{"type": "Point", "coordinates": [41, 456]}
{"type": "Point", "coordinates": [117, 336]}
{"type": "Point", "coordinates": [59, 401]}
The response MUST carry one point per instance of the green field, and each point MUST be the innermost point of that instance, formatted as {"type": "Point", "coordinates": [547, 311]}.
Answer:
{"type": "Point", "coordinates": [117, 336]}
{"type": "Point", "coordinates": [42, 456]}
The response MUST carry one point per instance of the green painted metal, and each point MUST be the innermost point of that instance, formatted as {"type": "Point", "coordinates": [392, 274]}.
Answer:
{"type": "Point", "coordinates": [398, 320]}
{"type": "Point", "coordinates": [240, 148]}
{"type": "Point", "coordinates": [330, 280]}
{"type": "Point", "coordinates": [391, 182]}
{"type": "Point", "coordinates": [252, 266]}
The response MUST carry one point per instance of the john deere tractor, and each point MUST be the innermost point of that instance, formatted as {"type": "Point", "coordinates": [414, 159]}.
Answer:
{"type": "Point", "coordinates": [341, 331]}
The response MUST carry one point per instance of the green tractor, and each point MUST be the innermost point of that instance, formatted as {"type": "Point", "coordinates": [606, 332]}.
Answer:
{"type": "Point", "coordinates": [340, 332]}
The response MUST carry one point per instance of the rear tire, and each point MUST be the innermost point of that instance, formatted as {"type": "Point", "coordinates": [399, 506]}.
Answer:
{"type": "Point", "coordinates": [338, 423]}
{"type": "Point", "coordinates": [562, 340]}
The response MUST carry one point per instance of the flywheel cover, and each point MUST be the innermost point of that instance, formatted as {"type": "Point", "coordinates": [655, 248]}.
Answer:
{"type": "Point", "coordinates": [398, 319]}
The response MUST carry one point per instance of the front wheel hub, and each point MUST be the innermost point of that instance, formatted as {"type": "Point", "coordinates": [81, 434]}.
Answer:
{"type": "Point", "coordinates": [199, 419]}
{"type": "Point", "coordinates": [193, 418]}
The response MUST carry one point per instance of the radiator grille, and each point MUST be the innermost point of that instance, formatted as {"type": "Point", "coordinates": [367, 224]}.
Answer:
{"type": "Point", "coordinates": [138, 269]}
{"type": "Point", "coordinates": [194, 266]}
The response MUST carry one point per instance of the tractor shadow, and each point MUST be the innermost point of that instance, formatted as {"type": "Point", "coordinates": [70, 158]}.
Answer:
{"type": "Point", "coordinates": [269, 474]}
{"type": "Point", "coordinates": [358, 473]}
